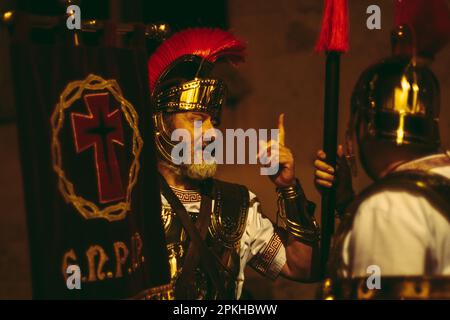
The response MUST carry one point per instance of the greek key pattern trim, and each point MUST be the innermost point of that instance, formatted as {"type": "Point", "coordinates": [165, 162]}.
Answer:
{"type": "Point", "coordinates": [187, 196]}
{"type": "Point", "coordinates": [262, 261]}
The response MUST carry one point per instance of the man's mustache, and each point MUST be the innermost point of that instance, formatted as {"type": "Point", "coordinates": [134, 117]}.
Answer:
{"type": "Point", "coordinates": [235, 146]}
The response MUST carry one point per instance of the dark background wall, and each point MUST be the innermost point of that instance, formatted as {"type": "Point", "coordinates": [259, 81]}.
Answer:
{"type": "Point", "coordinates": [282, 74]}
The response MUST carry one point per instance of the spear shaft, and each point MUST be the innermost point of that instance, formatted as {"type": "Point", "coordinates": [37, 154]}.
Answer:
{"type": "Point", "coordinates": [330, 133]}
{"type": "Point", "coordinates": [333, 40]}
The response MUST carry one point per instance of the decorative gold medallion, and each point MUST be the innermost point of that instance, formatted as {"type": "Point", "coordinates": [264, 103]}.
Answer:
{"type": "Point", "coordinates": [99, 129]}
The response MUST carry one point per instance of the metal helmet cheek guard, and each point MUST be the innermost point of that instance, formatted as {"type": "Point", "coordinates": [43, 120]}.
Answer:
{"type": "Point", "coordinates": [180, 78]}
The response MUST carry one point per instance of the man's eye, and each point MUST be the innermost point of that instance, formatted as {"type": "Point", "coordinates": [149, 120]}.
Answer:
{"type": "Point", "coordinates": [196, 117]}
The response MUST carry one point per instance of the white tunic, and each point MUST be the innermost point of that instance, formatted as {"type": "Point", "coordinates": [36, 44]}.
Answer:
{"type": "Point", "coordinates": [260, 247]}
{"type": "Point", "coordinates": [400, 232]}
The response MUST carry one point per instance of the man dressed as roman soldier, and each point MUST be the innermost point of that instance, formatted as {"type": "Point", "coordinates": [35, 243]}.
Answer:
{"type": "Point", "coordinates": [399, 227]}
{"type": "Point", "coordinates": [213, 229]}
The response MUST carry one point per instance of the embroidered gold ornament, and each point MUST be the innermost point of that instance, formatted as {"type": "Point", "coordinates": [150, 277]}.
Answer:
{"type": "Point", "coordinates": [73, 92]}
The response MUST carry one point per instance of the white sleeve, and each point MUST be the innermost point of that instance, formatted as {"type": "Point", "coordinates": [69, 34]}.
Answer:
{"type": "Point", "coordinates": [261, 246]}
{"type": "Point", "coordinates": [391, 230]}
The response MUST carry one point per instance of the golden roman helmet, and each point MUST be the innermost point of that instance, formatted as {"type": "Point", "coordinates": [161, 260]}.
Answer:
{"type": "Point", "coordinates": [396, 102]}
{"type": "Point", "coordinates": [398, 99]}
{"type": "Point", "coordinates": [179, 78]}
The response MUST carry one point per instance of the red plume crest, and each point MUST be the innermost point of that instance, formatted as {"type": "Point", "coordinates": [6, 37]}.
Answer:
{"type": "Point", "coordinates": [429, 21]}
{"type": "Point", "coordinates": [207, 43]}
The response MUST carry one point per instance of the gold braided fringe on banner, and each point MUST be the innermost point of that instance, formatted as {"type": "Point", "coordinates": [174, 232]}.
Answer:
{"type": "Point", "coordinates": [72, 93]}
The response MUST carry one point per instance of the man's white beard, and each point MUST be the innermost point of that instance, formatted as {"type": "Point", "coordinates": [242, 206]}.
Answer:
{"type": "Point", "coordinates": [200, 171]}
{"type": "Point", "coordinates": [193, 171]}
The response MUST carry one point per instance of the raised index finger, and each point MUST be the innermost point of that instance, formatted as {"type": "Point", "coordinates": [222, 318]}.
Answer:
{"type": "Point", "coordinates": [281, 129]}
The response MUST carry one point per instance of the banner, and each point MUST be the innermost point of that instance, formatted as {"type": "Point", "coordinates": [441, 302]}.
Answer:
{"type": "Point", "coordinates": [89, 169]}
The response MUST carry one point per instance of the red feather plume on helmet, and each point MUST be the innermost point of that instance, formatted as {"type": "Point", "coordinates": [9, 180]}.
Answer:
{"type": "Point", "coordinates": [207, 43]}
{"type": "Point", "coordinates": [429, 21]}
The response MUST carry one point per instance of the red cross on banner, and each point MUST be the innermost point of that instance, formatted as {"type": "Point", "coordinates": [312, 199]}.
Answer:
{"type": "Point", "coordinates": [101, 129]}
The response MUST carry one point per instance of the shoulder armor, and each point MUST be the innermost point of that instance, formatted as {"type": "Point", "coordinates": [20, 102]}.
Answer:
{"type": "Point", "coordinates": [434, 187]}
{"type": "Point", "coordinates": [228, 221]}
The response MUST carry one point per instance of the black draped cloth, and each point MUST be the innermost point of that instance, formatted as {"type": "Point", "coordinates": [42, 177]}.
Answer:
{"type": "Point", "coordinates": [89, 170]}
